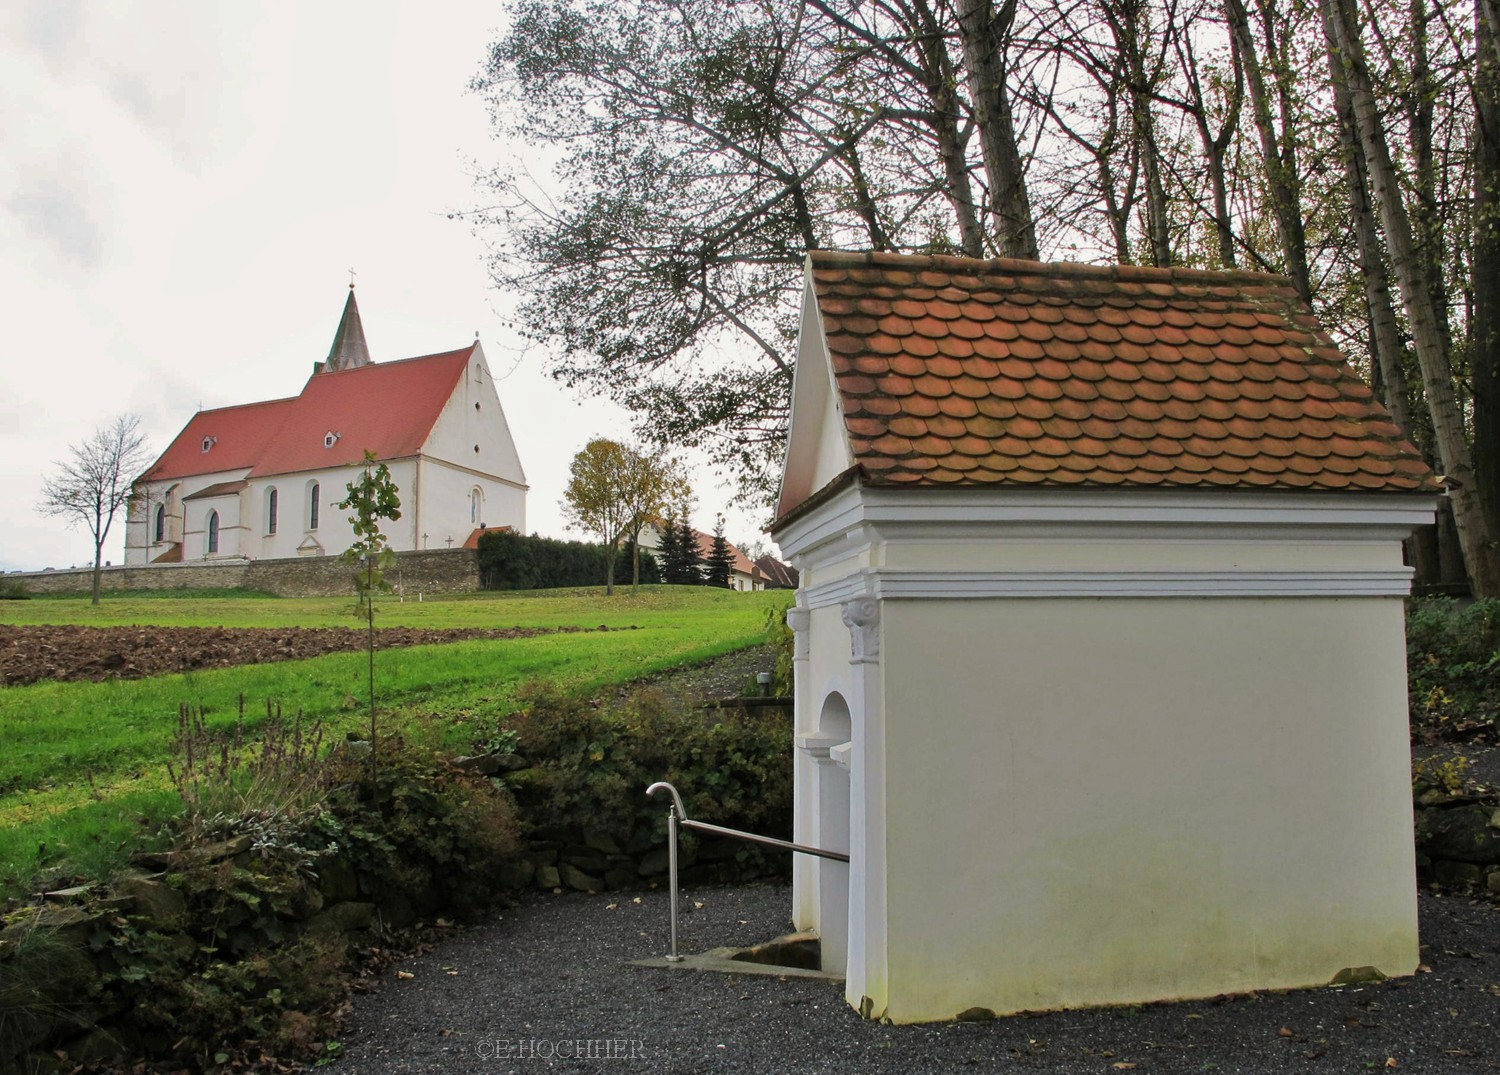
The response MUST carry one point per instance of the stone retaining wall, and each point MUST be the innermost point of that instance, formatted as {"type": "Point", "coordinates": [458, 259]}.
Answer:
{"type": "Point", "coordinates": [428, 571]}
{"type": "Point", "coordinates": [1458, 843]}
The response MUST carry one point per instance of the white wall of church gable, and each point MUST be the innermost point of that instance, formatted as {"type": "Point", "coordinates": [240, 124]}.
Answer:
{"type": "Point", "coordinates": [447, 509]}
{"type": "Point", "coordinates": [471, 432]}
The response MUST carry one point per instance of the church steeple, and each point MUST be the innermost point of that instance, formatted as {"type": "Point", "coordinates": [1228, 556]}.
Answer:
{"type": "Point", "coordinates": [349, 349]}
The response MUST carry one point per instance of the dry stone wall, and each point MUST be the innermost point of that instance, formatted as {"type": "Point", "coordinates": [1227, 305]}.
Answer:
{"type": "Point", "coordinates": [429, 571]}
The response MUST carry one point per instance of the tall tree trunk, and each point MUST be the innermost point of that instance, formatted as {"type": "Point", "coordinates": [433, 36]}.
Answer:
{"type": "Point", "coordinates": [1215, 146]}
{"type": "Point", "coordinates": [1346, 51]}
{"type": "Point", "coordinates": [1484, 330]}
{"type": "Point", "coordinates": [1125, 19]}
{"type": "Point", "coordinates": [985, 33]}
{"type": "Point", "coordinates": [941, 85]}
{"type": "Point", "coordinates": [1278, 151]}
{"type": "Point", "coordinates": [1390, 358]}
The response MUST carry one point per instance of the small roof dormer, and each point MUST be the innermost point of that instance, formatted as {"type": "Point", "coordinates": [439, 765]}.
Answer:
{"type": "Point", "coordinates": [349, 349]}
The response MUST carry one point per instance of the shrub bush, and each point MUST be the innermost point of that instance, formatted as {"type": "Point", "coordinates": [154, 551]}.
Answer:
{"type": "Point", "coordinates": [13, 590]}
{"type": "Point", "coordinates": [591, 766]}
{"type": "Point", "coordinates": [511, 561]}
{"type": "Point", "coordinates": [1452, 662]}
{"type": "Point", "coordinates": [231, 954]}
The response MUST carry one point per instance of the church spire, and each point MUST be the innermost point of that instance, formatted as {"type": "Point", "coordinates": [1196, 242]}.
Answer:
{"type": "Point", "coordinates": [349, 349]}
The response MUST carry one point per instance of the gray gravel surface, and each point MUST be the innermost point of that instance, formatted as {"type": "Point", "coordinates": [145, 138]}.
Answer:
{"type": "Point", "coordinates": [507, 995]}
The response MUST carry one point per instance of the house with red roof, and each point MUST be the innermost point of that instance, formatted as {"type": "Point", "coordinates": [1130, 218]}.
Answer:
{"type": "Point", "coordinates": [263, 480]}
{"type": "Point", "coordinates": [1099, 644]}
{"type": "Point", "coordinates": [743, 574]}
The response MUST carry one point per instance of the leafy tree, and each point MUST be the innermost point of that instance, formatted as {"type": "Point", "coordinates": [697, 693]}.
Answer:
{"type": "Point", "coordinates": [96, 481]}
{"type": "Point", "coordinates": [598, 498]}
{"type": "Point", "coordinates": [703, 146]}
{"type": "Point", "coordinates": [718, 568]}
{"type": "Point", "coordinates": [649, 485]}
{"type": "Point", "coordinates": [372, 497]}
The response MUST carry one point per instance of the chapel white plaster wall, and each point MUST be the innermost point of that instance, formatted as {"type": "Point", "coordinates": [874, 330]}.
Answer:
{"type": "Point", "coordinates": [1104, 801]}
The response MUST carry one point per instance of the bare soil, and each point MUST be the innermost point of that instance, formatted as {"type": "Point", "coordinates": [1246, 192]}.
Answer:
{"type": "Point", "coordinates": [32, 653]}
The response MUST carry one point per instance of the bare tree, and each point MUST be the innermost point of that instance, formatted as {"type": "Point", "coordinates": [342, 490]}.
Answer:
{"type": "Point", "coordinates": [94, 482]}
{"type": "Point", "coordinates": [1410, 267]}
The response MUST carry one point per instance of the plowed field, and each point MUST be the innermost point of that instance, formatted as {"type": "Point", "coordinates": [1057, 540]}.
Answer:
{"type": "Point", "coordinates": [32, 653]}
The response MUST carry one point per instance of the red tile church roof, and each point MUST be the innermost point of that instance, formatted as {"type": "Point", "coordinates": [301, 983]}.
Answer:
{"type": "Point", "coordinates": [956, 372]}
{"type": "Point", "coordinates": [388, 408]}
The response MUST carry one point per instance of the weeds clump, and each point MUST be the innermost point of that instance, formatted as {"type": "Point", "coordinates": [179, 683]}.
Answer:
{"type": "Point", "coordinates": [222, 776]}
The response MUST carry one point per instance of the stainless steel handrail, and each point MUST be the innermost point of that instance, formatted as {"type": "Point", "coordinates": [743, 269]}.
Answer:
{"type": "Point", "coordinates": [677, 814]}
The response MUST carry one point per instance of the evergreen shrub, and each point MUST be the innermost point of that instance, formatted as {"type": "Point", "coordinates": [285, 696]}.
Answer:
{"type": "Point", "coordinates": [511, 561]}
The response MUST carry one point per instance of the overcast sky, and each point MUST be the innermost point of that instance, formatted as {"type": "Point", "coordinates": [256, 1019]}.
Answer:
{"type": "Point", "coordinates": [183, 186]}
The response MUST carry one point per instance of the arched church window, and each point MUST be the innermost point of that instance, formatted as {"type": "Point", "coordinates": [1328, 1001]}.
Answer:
{"type": "Point", "coordinates": [159, 527]}
{"type": "Point", "coordinates": [312, 505]}
{"type": "Point", "coordinates": [476, 505]}
{"type": "Point", "coordinates": [272, 504]}
{"type": "Point", "coordinates": [213, 532]}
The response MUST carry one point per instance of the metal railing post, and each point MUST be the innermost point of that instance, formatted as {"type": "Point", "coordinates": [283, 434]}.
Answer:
{"type": "Point", "coordinates": [672, 956]}
{"type": "Point", "coordinates": [677, 816]}
{"type": "Point", "coordinates": [675, 810]}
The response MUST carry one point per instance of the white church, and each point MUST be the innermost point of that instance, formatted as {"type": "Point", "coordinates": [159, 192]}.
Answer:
{"type": "Point", "coordinates": [263, 480]}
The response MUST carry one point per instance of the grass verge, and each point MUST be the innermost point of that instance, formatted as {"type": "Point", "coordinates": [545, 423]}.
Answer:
{"type": "Point", "coordinates": [82, 774]}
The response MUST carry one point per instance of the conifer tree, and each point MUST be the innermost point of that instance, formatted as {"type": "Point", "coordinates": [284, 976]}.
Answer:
{"type": "Point", "coordinates": [669, 552]}
{"type": "Point", "coordinates": [719, 567]}
{"type": "Point", "coordinates": [692, 559]}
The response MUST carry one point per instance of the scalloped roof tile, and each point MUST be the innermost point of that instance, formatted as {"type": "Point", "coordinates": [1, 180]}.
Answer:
{"type": "Point", "coordinates": [951, 371]}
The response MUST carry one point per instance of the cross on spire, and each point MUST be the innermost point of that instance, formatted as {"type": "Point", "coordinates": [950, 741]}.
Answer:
{"type": "Point", "coordinates": [351, 279]}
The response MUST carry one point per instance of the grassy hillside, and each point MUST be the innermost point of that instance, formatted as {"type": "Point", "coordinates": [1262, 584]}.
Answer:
{"type": "Point", "coordinates": [82, 772]}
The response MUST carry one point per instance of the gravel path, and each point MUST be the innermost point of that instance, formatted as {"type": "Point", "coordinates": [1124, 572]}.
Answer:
{"type": "Point", "coordinates": [553, 971]}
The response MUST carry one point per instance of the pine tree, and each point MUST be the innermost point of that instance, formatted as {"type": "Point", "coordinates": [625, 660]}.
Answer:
{"type": "Point", "coordinates": [669, 552]}
{"type": "Point", "coordinates": [692, 559]}
{"type": "Point", "coordinates": [719, 568]}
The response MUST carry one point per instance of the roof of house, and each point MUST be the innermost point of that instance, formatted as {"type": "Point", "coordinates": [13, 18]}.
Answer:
{"type": "Point", "coordinates": [740, 562]}
{"type": "Point", "coordinates": [778, 575]}
{"type": "Point", "coordinates": [956, 372]}
{"type": "Point", "coordinates": [388, 408]}
{"type": "Point", "coordinates": [472, 541]}
{"type": "Point", "coordinates": [217, 489]}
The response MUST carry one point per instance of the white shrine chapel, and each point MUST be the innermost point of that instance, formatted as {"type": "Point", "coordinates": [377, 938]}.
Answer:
{"type": "Point", "coordinates": [1100, 662]}
{"type": "Point", "coordinates": [263, 480]}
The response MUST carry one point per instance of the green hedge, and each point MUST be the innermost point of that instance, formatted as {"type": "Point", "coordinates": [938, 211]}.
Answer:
{"type": "Point", "coordinates": [511, 561]}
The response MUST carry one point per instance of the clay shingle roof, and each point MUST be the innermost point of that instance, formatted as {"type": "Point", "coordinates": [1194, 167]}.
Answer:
{"type": "Point", "coordinates": [389, 408]}
{"type": "Point", "coordinates": [952, 372]}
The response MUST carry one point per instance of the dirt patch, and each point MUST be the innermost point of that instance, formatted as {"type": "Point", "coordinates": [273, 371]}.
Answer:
{"type": "Point", "coordinates": [68, 653]}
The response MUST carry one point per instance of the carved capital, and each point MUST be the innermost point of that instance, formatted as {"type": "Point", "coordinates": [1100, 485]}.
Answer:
{"type": "Point", "coordinates": [862, 617]}
{"type": "Point", "coordinates": [799, 619]}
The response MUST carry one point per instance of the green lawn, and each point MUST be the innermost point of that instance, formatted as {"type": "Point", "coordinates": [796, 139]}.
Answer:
{"type": "Point", "coordinates": [653, 605]}
{"type": "Point", "coordinates": [83, 764]}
